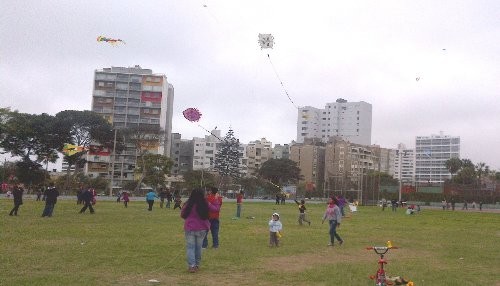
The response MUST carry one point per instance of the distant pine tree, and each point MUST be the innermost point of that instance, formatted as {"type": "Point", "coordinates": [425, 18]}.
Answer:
{"type": "Point", "coordinates": [227, 159]}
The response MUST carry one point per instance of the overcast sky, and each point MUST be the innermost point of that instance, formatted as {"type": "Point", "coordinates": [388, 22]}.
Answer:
{"type": "Point", "coordinates": [370, 51]}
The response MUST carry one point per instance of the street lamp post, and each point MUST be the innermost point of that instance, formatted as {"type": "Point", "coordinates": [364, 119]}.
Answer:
{"type": "Point", "coordinates": [113, 166]}
{"type": "Point", "coordinates": [400, 176]}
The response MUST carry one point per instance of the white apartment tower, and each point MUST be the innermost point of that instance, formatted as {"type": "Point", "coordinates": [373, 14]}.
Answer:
{"type": "Point", "coordinates": [404, 166]}
{"type": "Point", "coordinates": [205, 150]}
{"type": "Point", "coordinates": [130, 97]}
{"type": "Point", "coordinates": [431, 153]}
{"type": "Point", "coordinates": [352, 121]}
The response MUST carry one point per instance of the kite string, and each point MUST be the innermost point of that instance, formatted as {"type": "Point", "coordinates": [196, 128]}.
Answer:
{"type": "Point", "coordinates": [210, 132]}
{"type": "Point", "coordinates": [281, 82]}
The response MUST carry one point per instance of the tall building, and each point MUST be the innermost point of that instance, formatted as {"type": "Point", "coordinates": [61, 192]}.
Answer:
{"type": "Point", "coordinates": [347, 166]}
{"type": "Point", "coordinates": [258, 152]}
{"type": "Point", "coordinates": [127, 98]}
{"type": "Point", "coordinates": [182, 154]}
{"type": "Point", "coordinates": [205, 150]}
{"type": "Point", "coordinates": [431, 153]}
{"type": "Point", "coordinates": [310, 158]}
{"type": "Point", "coordinates": [352, 121]}
{"type": "Point", "coordinates": [281, 151]}
{"type": "Point", "coordinates": [387, 159]}
{"type": "Point", "coordinates": [404, 164]}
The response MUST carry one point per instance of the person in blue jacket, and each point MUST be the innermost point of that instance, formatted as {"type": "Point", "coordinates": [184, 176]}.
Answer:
{"type": "Point", "coordinates": [150, 198]}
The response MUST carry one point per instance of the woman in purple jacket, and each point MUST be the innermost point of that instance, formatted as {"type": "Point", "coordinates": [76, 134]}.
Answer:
{"type": "Point", "coordinates": [196, 224]}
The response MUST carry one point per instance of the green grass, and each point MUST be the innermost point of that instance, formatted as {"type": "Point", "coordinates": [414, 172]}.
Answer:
{"type": "Point", "coordinates": [129, 246]}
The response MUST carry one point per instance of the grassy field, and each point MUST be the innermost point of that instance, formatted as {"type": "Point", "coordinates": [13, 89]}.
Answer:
{"type": "Point", "coordinates": [129, 246]}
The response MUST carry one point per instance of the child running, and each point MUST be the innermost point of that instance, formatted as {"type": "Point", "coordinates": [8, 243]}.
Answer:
{"type": "Point", "coordinates": [275, 227]}
{"type": "Point", "coordinates": [302, 212]}
{"type": "Point", "coordinates": [177, 201]}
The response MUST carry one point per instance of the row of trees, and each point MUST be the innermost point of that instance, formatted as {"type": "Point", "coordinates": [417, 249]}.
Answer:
{"type": "Point", "coordinates": [37, 139]}
{"type": "Point", "coordinates": [465, 172]}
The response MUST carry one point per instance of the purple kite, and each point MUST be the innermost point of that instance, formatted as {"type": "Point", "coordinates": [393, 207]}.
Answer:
{"type": "Point", "coordinates": [192, 114]}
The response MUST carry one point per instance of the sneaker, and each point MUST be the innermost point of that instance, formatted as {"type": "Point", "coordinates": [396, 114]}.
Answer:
{"type": "Point", "coordinates": [192, 269]}
{"type": "Point", "coordinates": [340, 242]}
{"type": "Point", "coordinates": [330, 244]}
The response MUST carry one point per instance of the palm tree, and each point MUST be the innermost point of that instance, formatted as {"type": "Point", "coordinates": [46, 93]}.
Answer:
{"type": "Point", "coordinates": [453, 165]}
{"type": "Point", "coordinates": [481, 168]}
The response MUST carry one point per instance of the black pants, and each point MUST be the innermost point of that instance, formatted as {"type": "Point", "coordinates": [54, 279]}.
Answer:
{"type": "Point", "coordinates": [87, 205]}
{"type": "Point", "coordinates": [150, 204]}
{"type": "Point", "coordinates": [15, 209]}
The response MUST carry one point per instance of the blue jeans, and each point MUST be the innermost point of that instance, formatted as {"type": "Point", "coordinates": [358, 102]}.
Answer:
{"type": "Point", "coordinates": [49, 208]}
{"type": "Point", "coordinates": [238, 210]}
{"type": "Point", "coordinates": [214, 230]}
{"type": "Point", "coordinates": [333, 231]}
{"type": "Point", "coordinates": [194, 240]}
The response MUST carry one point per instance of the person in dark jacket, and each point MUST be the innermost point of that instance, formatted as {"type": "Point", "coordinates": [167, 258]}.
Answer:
{"type": "Point", "coordinates": [87, 201]}
{"type": "Point", "coordinates": [51, 195]}
{"type": "Point", "coordinates": [18, 199]}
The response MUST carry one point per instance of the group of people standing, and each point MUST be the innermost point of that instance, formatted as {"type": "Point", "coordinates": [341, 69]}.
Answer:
{"type": "Point", "coordinates": [50, 194]}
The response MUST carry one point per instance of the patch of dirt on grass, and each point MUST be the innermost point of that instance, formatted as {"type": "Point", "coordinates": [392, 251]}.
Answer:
{"type": "Point", "coordinates": [328, 256]}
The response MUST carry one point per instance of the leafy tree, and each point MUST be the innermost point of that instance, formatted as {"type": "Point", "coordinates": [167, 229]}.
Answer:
{"type": "Point", "coordinates": [453, 165]}
{"type": "Point", "coordinates": [30, 135]}
{"type": "Point", "coordinates": [227, 159]}
{"type": "Point", "coordinates": [250, 185]}
{"type": "Point", "coordinates": [467, 163]}
{"type": "Point", "coordinates": [280, 171]}
{"type": "Point", "coordinates": [152, 169]}
{"type": "Point", "coordinates": [146, 139]}
{"type": "Point", "coordinates": [194, 179]}
{"type": "Point", "coordinates": [466, 175]}
{"type": "Point", "coordinates": [481, 169]}
{"type": "Point", "coordinates": [83, 128]}
{"type": "Point", "coordinates": [30, 173]}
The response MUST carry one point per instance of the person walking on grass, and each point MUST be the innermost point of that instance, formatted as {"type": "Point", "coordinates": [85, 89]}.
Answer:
{"type": "Point", "coordinates": [177, 200]}
{"type": "Point", "coordinates": [50, 195]}
{"type": "Point", "coordinates": [213, 216]}
{"type": "Point", "coordinates": [163, 195]}
{"type": "Point", "coordinates": [150, 198]}
{"type": "Point", "coordinates": [334, 217]}
{"type": "Point", "coordinates": [196, 225]}
{"type": "Point", "coordinates": [87, 201]}
{"type": "Point", "coordinates": [18, 199]}
{"type": "Point", "coordinates": [239, 202]}
{"type": "Point", "coordinates": [302, 212]}
{"type": "Point", "coordinates": [275, 228]}
{"type": "Point", "coordinates": [125, 198]}
{"type": "Point", "coordinates": [169, 199]}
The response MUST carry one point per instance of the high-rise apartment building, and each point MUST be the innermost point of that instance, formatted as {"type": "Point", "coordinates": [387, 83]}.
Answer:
{"type": "Point", "coordinates": [431, 153]}
{"type": "Point", "coordinates": [181, 154]}
{"type": "Point", "coordinates": [205, 150]}
{"type": "Point", "coordinates": [404, 164]}
{"type": "Point", "coordinates": [258, 152]}
{"type": "Point", "coordinates": [352, 121]}
{"type": "Point", "coordinates": [347, 166]}
{"type": "Point", "coordinates": [310, 158]}
{"type": "Point", "coordinates": [129, 98]}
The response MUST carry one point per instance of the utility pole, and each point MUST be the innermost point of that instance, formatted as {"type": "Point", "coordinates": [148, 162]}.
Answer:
{"type": "Point", "coordinates": [113, 166]}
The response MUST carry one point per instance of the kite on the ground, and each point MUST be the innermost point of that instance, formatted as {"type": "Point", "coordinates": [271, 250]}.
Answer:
{"type": "Point", "coordinates": [70, 149]}
{"type": "Point", "coordinates": [192, 114]}
{"type": "Point", "coordinates": [266, 41]}
{"type": "Point", "coordinates": [109, 40]}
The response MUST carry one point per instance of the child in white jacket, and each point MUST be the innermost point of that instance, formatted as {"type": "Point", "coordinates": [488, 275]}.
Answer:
{"type": "Point", "coordinates": [275, 227]}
